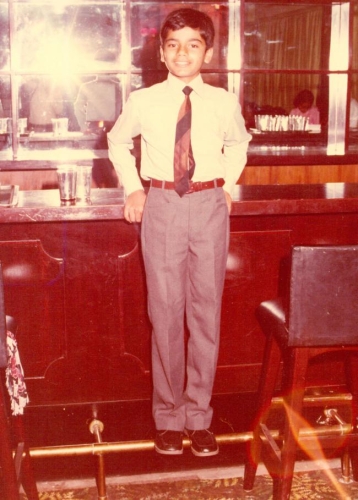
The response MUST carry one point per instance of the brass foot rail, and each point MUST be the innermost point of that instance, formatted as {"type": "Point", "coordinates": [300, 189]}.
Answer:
{"type": "Point", "coordinates": [100, 448]}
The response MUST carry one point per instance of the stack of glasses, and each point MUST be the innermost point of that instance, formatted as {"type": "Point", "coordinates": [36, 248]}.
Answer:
{"type": "Point", "coordinates": [281, 123]}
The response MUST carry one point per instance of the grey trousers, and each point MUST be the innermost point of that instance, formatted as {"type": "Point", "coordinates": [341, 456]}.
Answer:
{"type": "Point", "coordinates": [185, 246]}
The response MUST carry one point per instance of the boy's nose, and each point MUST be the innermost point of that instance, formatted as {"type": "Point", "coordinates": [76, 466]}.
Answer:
{"type": "Point", "coordinates": [181, 50]}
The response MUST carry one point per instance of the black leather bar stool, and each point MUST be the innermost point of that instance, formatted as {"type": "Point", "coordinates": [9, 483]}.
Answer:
{"type": "Point", "coordinates": [319, 315]}
{"type": "Point", "coordinates": [13, 471]}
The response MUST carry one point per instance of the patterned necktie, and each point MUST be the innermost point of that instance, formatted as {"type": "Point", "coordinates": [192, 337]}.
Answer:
{"type": "Point", "coordinates": [183, 155]}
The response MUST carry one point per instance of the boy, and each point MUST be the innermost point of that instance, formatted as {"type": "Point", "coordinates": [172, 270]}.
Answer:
{"type": "Point", "coordinates": [185, 232]}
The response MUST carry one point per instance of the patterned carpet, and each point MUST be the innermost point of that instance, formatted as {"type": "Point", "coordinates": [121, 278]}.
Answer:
{"type": "Point", "coordinates": [311, 485]}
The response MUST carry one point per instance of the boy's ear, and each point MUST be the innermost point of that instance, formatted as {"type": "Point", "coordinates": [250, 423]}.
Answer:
{"type": "Point", "coordinates": [208, 55]}
{"type": "Point", "coordinates": [161, 54]}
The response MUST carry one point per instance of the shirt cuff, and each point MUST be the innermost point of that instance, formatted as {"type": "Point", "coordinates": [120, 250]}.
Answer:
{"type": "Point", "coordinates": [129, 189]}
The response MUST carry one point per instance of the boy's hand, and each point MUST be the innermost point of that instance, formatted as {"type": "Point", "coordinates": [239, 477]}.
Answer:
{"type": "Point", "coordinates": [228, 200]}
{"type": "Point", "coordinates": [133, 208]}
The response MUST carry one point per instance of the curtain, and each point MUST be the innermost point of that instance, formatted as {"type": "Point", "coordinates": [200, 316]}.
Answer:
{"type": "Point", "coordinates": [289, 40]}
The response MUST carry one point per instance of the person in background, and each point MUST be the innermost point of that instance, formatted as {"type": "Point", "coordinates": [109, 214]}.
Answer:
{"type": "Point", "coordinates": [303, 106]}
{"type": "Point", "coordinates": [185, 234]}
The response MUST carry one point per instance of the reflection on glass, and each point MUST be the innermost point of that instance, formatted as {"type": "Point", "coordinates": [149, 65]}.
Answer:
{"type": "Point", "coordinates": [58, 41]}
{"type": "Point", "coordinates": [77, 112]}
{"type": "Point", "coordinates": [64, 38]}
{"type": "Point", "coordinates": [353, 110]}
{"type": "Point", "coordinates": [145, 56]}
{"type": "Point", "coordinates": [44, 98]}
{"type": "Point", "coordinates": [98, 101]}
{"type": "Point", "coordinates": [280, 36]}
{"type": "Point", "coordinates": [146, 19]}
{"type": "Point", "coordinates": [5, 113]}
{"type": "Point", "coordinates": [4, 37]}
{"type": "Point", "coordinates": [5, 97]}
{"type": "Point", "coordinates": [339, 54]}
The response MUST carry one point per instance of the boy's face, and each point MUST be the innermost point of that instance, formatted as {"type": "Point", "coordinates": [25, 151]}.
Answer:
{"type": "Point", "coordinates": [184, 52]}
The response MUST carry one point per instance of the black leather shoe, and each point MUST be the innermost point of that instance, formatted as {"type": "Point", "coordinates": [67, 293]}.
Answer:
{"type": "Point", "coordinates": [169, 442]}
{"type": "Point", "coordinates": [203, 443]}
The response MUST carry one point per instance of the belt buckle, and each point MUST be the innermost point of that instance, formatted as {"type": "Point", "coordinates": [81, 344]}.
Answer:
{"type": "Point", "coordinates": [194, 187]}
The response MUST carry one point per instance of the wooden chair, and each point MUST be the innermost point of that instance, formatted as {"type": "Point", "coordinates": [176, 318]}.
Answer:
{"type": "Point", "coordinates": [318, 315]}
{"type": "Point", "coordinates": [17, 470]}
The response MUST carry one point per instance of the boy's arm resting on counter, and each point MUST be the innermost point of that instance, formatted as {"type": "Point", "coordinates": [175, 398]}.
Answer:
{"type": "Point", "coordinates": [120, 144]}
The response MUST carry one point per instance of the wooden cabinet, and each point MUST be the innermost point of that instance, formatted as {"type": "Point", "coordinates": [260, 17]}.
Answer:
{"type": "Point", "coordinates": [74, 279]}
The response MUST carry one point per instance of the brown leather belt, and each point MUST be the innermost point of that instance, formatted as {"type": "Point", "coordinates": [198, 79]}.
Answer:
{"type": "Point", "coordinates": [193, 186]}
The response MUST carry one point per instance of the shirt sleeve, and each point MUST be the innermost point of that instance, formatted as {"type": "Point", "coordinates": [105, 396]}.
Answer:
{"type": "Point", "coordinates": [120, 144]}
{"type": "Point", "coordinates": [236, 142]}
{"type": "Point", "coordinates": [314, 119]}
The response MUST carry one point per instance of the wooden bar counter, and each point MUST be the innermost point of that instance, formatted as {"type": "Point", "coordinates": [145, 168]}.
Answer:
{"type": "Point", "coordinates": [74, 280]}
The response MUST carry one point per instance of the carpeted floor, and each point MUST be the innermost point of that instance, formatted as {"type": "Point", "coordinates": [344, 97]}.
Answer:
{"type": "Point", "coordinates": [311, 485]}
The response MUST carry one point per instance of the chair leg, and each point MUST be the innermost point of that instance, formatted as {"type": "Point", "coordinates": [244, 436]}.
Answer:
{"type": "Point", "coordinates": [11, 489]}
{"type": "Point", "coordinates": [267, 384]}
{"type": "Point", "coordinates": [27, 474]}
{"type": "Point", "coordinates": [293, 407]}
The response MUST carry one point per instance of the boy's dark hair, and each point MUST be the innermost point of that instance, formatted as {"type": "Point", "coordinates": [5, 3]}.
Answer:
{"type": "Point", "coordinates": [191, 18]}
{"type": "Point", "coordinates": [302, 97]}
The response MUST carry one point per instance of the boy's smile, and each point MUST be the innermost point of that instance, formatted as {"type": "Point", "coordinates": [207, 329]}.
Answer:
{"type": "Point", "coordinates": [184, 52]}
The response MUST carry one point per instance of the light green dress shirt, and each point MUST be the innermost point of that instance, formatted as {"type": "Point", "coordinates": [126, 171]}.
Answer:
{"type": "Point", "coordinates": [218, 134]}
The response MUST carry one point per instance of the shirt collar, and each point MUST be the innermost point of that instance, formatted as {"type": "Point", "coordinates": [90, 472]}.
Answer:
{"type": "Point", "coordinates": [176, 85]}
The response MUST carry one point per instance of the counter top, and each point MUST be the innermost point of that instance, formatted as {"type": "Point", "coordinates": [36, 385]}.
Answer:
{"type": "Point", "coordinates": [45, 206]}
{"type": "Point", "coordinates": [107, 204]}
{"type": "Point", "coordinates": [295, 199]}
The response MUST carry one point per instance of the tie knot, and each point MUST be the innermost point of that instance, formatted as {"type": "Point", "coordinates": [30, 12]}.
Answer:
{"type": "Point", "coordinates": [187, 90]}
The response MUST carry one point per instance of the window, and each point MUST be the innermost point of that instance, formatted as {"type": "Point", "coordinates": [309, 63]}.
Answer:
{"type": "Point", "coordinates": [67, 67]}
{"type": "Point", "coordinates": [66, 75]}
{"type": "Point", "coordinates": [295, 49]}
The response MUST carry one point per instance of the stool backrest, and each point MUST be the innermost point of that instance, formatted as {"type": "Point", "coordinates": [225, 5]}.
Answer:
{"type": "Point", "coordinates": [323, 296]}
{"type": "Point", "coordinates": [3, 357]}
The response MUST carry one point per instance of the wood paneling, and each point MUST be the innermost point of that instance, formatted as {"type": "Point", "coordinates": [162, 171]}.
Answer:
{"type": "Point", "coordinates": [74, 277]}
{"type": "Point", "coordinates": [282, 174]}
{"type": "Point", "coordinates": [30, 179]}
{"type": "Point", "coordinates": [299, 174]}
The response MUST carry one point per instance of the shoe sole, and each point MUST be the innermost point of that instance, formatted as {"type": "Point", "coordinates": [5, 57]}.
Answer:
{"type": "Point", "coordinates": [203, 453]}
{"type": "Point", "coordinates": [167, 452]}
